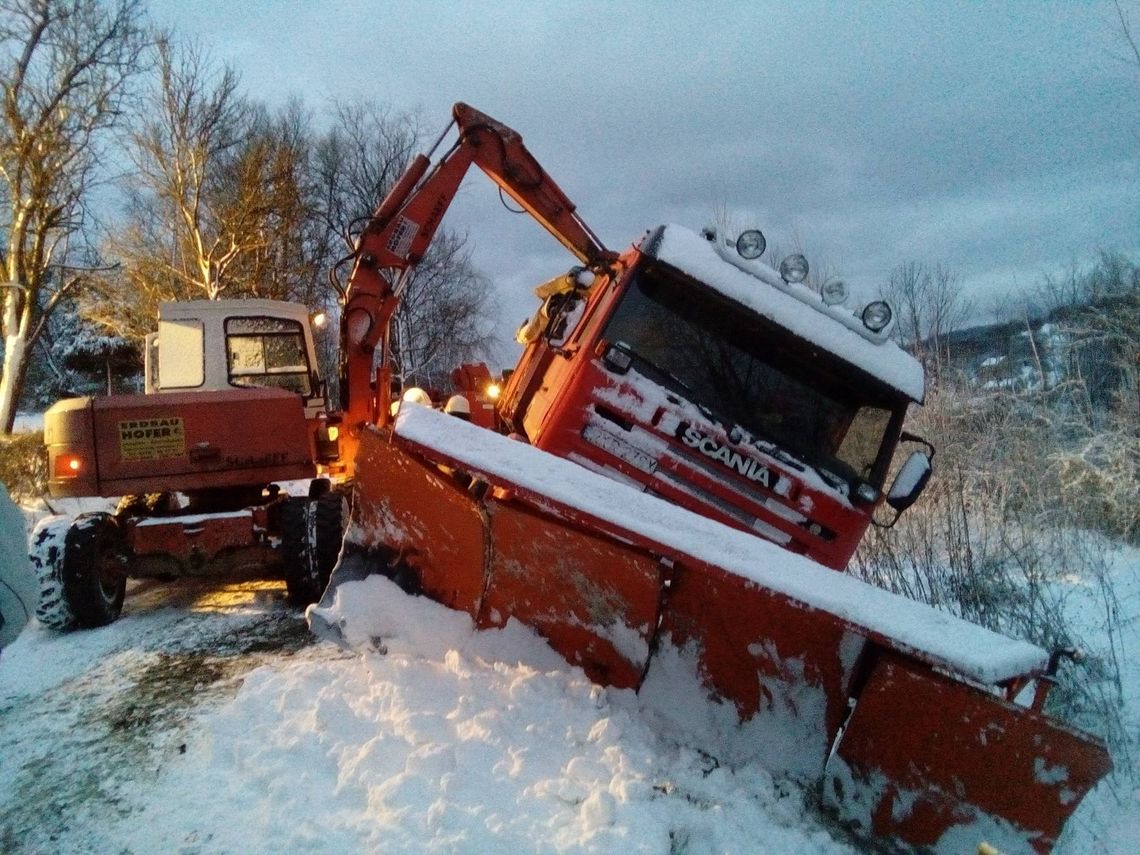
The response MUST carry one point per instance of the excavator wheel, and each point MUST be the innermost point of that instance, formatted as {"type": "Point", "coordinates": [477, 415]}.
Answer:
{"type": "Point", "coordinates": [46, 554]}
{"type": "Point", "coordinates": [311, 533]}
{"type": "Point", "coordinates": [81, 568]}
{"type": "Point", "coordinates": [94, 570]}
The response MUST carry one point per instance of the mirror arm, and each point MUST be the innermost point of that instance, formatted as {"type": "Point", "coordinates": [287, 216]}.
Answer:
{"type": "Point", "coordinates": [907, 436]}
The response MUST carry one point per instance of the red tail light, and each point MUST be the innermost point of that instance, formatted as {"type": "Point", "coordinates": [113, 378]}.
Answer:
{"type": "Point", "coordinates": [68, 466]}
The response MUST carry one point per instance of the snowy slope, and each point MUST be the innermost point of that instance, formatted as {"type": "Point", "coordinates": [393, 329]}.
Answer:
{"type": "Point", "coordinates": [440, 739]}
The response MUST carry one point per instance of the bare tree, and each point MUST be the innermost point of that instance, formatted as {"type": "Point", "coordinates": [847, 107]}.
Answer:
{"type": "Point", "coordinates": [220, 203]}
{"type": "Point", "coordinates": [263, 193]}
{"type": "Point", "coordinates": [442, 319]}
{"type": "Point", "coordinates": [65, 66]}
{"type": "Point", "coordinates": [176, 243]}
{"type": "Point", "coordinates": [354, 164]}
{"type": "Point", "coordinates": [929, 305]}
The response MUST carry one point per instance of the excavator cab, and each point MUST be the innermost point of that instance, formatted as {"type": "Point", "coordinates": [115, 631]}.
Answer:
{"type": "Point", "coordinates": [218, 345]}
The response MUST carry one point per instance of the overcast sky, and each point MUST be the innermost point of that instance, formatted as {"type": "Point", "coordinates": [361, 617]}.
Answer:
{"type": "Point", "coordinates": [1001, 140]}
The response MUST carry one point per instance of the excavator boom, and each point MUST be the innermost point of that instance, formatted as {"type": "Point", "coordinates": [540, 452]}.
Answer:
{"type": "Point", "coordinates": [404, 225]}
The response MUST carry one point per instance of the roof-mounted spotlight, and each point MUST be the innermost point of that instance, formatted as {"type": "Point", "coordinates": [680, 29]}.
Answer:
{"type": "Point", "coordinates": [877, 316]}
{"type": "Point", "coordinates": [751, 244]}
{"type": "Point", "coordinates": [794, 269]}
{"type": "Point", "coordinates": [834, 292]}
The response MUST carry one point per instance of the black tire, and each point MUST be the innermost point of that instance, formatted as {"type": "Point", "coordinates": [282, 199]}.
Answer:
{"type": "Point", "coordinates": [318, 487]}
{"type": "Point", "coordinates": [47, 549]}
{"type": "Point", "coordinates": [94, 570]}
{"type": "Point", "coordinates": [311, 535]}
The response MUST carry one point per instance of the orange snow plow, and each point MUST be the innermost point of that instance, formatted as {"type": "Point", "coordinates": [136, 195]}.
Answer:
{"type": "Point", "coordinates": [901, 714]}
{"type": "Point", "coordinates": [689, 449]}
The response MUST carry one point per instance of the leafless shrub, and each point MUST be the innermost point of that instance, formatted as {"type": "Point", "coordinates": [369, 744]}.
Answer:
{"type": "Point", "coordinates": [1028, 499]}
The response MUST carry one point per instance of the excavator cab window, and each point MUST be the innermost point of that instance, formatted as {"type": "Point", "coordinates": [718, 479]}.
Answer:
{"type": "Point", "coordinates": [264, 351]}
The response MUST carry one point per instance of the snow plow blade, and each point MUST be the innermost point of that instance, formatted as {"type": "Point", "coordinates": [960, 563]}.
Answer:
{"type": "Point", "coordinates": [900, 715]}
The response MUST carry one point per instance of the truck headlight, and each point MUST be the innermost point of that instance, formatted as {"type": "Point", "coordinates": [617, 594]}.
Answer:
{"type": "Point", "coordinates": [876, 316]}
{"type": "Point", "coordinates": [751, 244]}
{"type": "Point", "coordinates": [617, 359]}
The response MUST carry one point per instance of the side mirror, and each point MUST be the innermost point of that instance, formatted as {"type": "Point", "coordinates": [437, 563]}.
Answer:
{"type": "Point", "coordinates": [911, 481]}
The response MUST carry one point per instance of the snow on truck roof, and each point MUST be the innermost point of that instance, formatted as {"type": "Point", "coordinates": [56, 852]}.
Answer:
{"type": "Point", "coordinates": [938, 636]}
{"type": "Point", "coordinates": [690, 253]}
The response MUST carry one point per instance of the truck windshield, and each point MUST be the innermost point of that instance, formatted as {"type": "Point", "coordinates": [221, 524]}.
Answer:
{"type": "Point", "coordinates": [751, 373]}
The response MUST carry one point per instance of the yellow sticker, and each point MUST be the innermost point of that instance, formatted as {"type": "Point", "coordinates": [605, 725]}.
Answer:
{"type": "Point", "coordinates": [152, 439]}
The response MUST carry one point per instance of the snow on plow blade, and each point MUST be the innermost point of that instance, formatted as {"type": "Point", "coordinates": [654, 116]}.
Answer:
{"type": "Point", "coordinates": [897, 711]}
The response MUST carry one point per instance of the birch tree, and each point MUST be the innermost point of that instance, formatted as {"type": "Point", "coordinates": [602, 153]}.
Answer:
{"type": "Point", "coordinates": [193, 119]}
{"type": "Point", "coordinates": [220, 204]}
{"type": "Point", "coordinates": [65, 71]}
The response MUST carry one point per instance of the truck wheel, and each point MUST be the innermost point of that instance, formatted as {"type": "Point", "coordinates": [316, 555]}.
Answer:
{"type": "Point", "coordinates": [47, 549]}
{"type": "Point", "coordinates": [94, 570]}
{"type": "Point", "coordinates": [311, 535]}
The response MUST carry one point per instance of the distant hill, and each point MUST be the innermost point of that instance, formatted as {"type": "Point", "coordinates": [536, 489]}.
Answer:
{"type": "Point", "coordinates": [1093, 343]}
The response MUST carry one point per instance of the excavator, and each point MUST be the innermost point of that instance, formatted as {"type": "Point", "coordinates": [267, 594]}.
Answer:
{"type": "Point", "coordinates": [672, 480]}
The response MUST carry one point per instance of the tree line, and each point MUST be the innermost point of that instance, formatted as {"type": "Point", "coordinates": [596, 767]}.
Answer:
{"type": "Point", "coordinates": [134, 170]}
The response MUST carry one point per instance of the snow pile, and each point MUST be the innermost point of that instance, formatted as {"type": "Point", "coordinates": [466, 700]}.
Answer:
{"type": "Point", "coordinates": [437, 739]}
{"type": "Point", "coordinates": [1108, 820]}
{"type": "Point", "coordinates": [444, 739]}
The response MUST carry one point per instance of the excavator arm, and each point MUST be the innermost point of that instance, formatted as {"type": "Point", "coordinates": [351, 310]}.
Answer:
{"type": "Point", "coordinates": [403, 227]}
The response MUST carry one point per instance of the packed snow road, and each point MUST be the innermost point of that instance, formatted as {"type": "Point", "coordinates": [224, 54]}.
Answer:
{"type": "Point", "coordinates": [89, 721]}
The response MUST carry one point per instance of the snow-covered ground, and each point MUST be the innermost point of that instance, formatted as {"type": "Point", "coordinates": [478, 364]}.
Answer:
{"type": "Point", "coordinates": [208, 720]}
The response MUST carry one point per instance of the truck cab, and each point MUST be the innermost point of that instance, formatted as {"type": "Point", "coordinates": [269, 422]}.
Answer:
{"type": "Point", "coordinates": [721, 384]}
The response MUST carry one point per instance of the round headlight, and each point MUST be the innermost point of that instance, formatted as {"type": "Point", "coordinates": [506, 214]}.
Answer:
{"type": "Point", "coordinates": [751, 244]}
{"type": "Point", "coordinates": [833, 292]}
{"type": "Point", "coordinates": [876, 316]}
{"type": "Point", "coordinates": [794, 268]}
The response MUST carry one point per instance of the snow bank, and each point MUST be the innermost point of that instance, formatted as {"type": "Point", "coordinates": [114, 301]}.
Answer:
{"type": "Point", "coordinates": [19, 592]}
{"type": "Point", "coordinates": [443, 739]}
{"type": "Point", "coordinates": [936, 635]}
